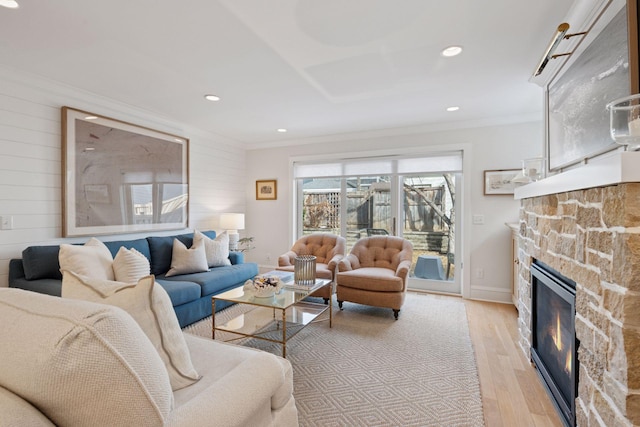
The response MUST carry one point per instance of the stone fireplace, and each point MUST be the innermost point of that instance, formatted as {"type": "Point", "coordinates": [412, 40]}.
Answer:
{"type": "Point", "coordinates": [591, 236]}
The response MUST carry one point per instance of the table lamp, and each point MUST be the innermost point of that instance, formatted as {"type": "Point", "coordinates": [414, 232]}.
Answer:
{"type": "Point", "coordinates": [232, 222]}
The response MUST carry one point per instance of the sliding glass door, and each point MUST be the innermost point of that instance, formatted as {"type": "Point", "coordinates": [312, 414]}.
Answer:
{"type": "Point", "coordinates": [320, 206]}
{"type": "Point", "coordinates": [369, 207]}
{"type": "Point", "coordinates": [429, 212]}
{"type": "Point", "coordinates": [412, 198]}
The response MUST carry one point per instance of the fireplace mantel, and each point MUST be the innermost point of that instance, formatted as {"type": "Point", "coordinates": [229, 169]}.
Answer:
{"type": "Point", "coordinates": [617, 168]}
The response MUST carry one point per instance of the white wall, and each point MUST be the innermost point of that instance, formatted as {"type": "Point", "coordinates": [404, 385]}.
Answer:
{"type": "Point", "coordinates": [30, 162]}
{"type": "Point", "coordinates": [489, 247]}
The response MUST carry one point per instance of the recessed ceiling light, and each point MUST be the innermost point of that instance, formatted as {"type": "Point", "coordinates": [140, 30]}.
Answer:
{"type": "Point", "coordinates": [452, 51]}
{"type": "Point", "coordinates": [453, 108]}
{"type": "Point", "coordinates": [212, 97]}
{"type": "Point", "coordinates": [91, 118]}
{"type": "Point", "coordinates": [282, 130]}
{"type": "Point", "coordinates": [11, 4]}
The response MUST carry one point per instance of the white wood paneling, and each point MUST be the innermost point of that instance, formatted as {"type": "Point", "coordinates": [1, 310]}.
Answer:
{"type": "Point", "coordinates": [30, 163]}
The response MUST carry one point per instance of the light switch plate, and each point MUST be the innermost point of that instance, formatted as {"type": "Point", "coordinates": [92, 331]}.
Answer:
{"type": "Point", "coordinates": [6, 222]}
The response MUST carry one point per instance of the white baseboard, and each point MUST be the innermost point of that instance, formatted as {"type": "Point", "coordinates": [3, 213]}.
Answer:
{"type": "Point", "coordinates": [489, 293]}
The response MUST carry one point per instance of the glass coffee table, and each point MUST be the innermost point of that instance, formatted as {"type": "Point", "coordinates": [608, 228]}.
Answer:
{"type": "Point", "coordinates": [277, 318]}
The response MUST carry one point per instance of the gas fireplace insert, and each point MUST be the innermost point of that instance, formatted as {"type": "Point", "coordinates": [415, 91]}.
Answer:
{"type": "Point", "coordinates": [554, 344]}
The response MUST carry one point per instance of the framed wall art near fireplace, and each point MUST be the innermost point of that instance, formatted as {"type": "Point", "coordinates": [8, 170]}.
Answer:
{"type": "Point", "coordinates": [603, 67]}
{"type": "Point", "coordinates": [500, 182]}
{"type": "Point", "coordinates": [121, 178]}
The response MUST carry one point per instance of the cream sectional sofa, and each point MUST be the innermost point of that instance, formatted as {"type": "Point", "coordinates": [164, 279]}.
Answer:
{"type": "Point", "coordinates": [77, 363]}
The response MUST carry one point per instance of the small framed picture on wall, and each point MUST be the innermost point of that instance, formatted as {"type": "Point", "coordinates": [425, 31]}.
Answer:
{"type": "Point", "coordinates": [499, 182]}
{"type": "Point", "coordinates": [267, 189]}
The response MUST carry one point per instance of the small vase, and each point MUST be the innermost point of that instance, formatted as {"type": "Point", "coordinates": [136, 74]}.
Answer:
{"type": "Point", "coordinates": [624, 121]}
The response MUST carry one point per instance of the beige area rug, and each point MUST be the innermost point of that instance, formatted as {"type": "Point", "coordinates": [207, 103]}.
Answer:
{"type": "Point", "coordinates": [370, 370]}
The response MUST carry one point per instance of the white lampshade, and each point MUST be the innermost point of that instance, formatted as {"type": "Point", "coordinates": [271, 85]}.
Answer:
{"type": "Point", "coordinates": [232, 221]}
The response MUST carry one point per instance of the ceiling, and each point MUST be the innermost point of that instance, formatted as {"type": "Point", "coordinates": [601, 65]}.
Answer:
{"type": "Point", "coordinates": [314, 67]}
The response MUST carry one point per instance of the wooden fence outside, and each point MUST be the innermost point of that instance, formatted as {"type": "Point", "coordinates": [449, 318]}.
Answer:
{"type": "Point", "coordinates": [372, 209]}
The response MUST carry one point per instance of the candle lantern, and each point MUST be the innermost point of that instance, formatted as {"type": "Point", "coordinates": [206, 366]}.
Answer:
{"type": "Point", "coordinates": [304, 272]}
{"type": "Point", "coordinates": [624, 119]}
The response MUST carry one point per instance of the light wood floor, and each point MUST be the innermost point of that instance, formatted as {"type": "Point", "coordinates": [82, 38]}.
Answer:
{"type": "Point", "coordinates": [512, 394]}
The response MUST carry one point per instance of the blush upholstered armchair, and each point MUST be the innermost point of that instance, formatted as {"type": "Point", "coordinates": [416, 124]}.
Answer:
{"type": "Point", "coordinates": [375, 272]}
{"type": "Point", "coordinates": [328, 250]}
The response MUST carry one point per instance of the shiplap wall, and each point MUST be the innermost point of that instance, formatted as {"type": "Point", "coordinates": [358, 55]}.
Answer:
{"type": "Point", "coordinates": [30, 162]}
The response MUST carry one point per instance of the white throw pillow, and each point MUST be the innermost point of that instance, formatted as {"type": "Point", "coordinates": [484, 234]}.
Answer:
{"type": "Point", "coordinates": [129, 265]}
{"type": "Point", "coordinates": [185, 261]}
{"type": "Point", "coordinates": [149, 304]}
{"type": "Point", "coordinates": [217, 250]}
{"type": "Point", "coordinates": [80, 363]}
{"type": "Point", "coordinates": [93, 259]}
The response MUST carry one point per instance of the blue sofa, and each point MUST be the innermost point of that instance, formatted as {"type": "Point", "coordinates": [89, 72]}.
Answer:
{"type": "Point", "coordinates": [190, 294]}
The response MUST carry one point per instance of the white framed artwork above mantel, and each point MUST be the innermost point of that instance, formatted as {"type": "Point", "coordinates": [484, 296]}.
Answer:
{"type": "Point", "coordinates": [602, 66]}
